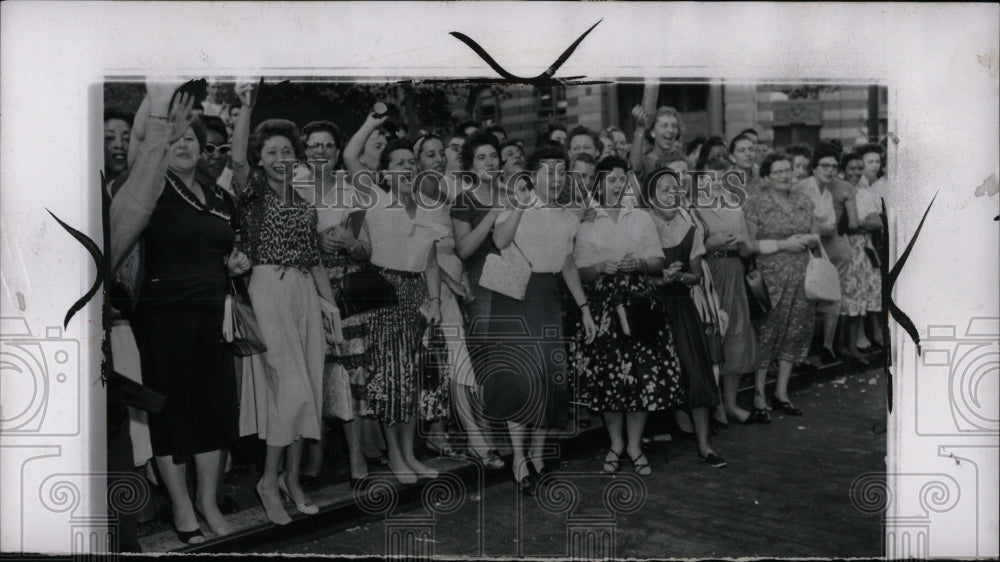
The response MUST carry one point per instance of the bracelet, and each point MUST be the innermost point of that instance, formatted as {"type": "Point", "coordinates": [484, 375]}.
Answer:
{"type": "Point", "coordinates": [584, 305]}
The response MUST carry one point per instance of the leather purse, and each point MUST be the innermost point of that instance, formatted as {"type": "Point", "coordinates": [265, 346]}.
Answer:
{"type": "Point", "coordinates": [364, 290]}
{"type": "Point", "coordinates": [758, 299]}
{"type": "Point", "coordinates": [641, 315]}
{"type": "Point", "coordinates": [239, 325]}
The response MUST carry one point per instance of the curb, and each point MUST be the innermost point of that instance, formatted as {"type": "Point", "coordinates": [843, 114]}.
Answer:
{"type": "Point", "coordinates": [347, 508]}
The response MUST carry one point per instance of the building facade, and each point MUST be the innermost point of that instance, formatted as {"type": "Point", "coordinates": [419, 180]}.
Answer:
{"type": "Point", "coordinates": [782, 115]}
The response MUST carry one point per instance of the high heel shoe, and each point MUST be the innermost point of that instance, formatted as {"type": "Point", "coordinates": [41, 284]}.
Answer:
{"type": "Point", "coordinates": [612, 465]}
{"type": "Point", "coordinates": [306, 508]}
{"type": "Point", "coordinates": [275, 513]}
{"type": "Point", "coordinates": [641, 468]}
{"type": "Point", "coordinates": [786, 407]}
{"type": "Point", "coordinates": [827, 356]}
{"type": "Point", "coordinates": [759, 415]}
{"type": "Point", "coordinates": [527, 485]}
{"type": "Point", "coordinates": [190, 537]}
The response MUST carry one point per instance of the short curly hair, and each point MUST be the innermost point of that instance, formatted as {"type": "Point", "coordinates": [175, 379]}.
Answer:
{"type": "Point", "coordinates": [768, 162]}
{"type": "Point", "coordinates": [475, 140]}
{"type": "Point", "coordinates": [275, 128]}
{"type": "Point", "coordinates": [824, 150]}
{"type": "Point", "coordinates": [324, 127]}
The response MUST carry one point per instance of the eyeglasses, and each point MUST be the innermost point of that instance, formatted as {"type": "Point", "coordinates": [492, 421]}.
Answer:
{"type": "Point", "coordinates": [321, 145]}
{"type": "Point", "coordinates": [827, 166]}
{"type": "Point", "coordinates": [223, 149]}
{"type": "Point", "coordinates": [785, 171]}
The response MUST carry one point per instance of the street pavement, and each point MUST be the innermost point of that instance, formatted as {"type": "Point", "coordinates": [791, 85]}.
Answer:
{"type": "Point", "coordinates": [785, 493]}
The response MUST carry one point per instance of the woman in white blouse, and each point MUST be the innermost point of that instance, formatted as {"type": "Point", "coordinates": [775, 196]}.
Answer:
{"type": "Point", "coordinates": [624, 375]}
{"type": "Point", "coordinates": [525, 380]}
{"type": "Point", "coordinates": [403, 249]}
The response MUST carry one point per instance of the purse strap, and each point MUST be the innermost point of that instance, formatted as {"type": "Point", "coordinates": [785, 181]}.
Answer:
{"type": "Point", "coordinates": [520, 251]}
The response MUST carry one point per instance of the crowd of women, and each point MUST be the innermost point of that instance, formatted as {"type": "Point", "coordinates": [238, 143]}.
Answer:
{"type": "Point", "coordinates": [593, 275]}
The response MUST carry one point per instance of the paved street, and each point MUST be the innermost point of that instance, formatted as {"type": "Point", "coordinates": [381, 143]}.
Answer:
{"type": "Point", "coordinates": [785, 493]}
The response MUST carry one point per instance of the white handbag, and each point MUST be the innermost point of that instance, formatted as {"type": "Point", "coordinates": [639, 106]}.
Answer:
{"type": "Point", "coordinates": [507, 273]}
{"type": "Point", "coordinates": [822, 280]}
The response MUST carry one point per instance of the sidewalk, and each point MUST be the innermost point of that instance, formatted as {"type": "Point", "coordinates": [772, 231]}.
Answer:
{"type": "Point", "coordinates": [338, 504]}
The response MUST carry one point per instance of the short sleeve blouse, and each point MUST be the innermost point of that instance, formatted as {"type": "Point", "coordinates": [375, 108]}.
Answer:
{"type": "Point", "coordinates": [544, 235]}
{"type": "Point", "coordinates": [277, 232]}
{"type": "Point", "coordinates": [604, 239]}
{"type": "Point", "coordinates": [398, 241]}
{"type": "Point", "coordinates": [470, 211]}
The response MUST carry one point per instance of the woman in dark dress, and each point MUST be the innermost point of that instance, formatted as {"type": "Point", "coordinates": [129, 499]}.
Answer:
{"type": "Point", "coordinates": [525, 384]}
{"type": "Point", "coordinates": [622, 376]}
{"type": "Point", "coordinates": [683, 248]}
{"type": "Point", "coordinates": [476, 208]}
{"type": "Point", "coordinates": [189, 253]}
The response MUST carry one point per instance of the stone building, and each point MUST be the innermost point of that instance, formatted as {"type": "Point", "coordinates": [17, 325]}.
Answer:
{"type": "Point", "coordinates": [707, 108]}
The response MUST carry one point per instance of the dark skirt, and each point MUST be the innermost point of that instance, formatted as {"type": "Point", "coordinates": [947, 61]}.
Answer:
{"type": "Point", "coordinates": [739, 345]}
{"type": "Point", "coordinates": [394, 392]}
{"type": "Point", "coordinates": [184, 359]}
{"type": "Point", "coordinates": [620, 373]}
{"type": "Point", "coordinates": [522, 371]}
{"type": "Point", "coordinates": [697, 377]}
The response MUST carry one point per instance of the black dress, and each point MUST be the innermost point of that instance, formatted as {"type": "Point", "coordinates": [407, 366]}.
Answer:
{"type": "Point", "coordinates": [179, 324]}
{"type": "Point", "coordinates": [697, 378]}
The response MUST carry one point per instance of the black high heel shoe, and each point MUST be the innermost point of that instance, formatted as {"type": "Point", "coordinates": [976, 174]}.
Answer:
{"type": "Point", "coordinates": [190, 537]}
{"type": "Point", "coordinates": [528, 484]}
{"type": "Point", "coordinates": [827, 357]}
{"type": "Point", "coordinates": [786, 407]}
{"type": "Point", "coordinates": [759, 415]}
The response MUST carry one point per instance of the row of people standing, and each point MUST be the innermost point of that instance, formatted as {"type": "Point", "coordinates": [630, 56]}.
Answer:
{"type": "Point", "coordinates": [434, 259]}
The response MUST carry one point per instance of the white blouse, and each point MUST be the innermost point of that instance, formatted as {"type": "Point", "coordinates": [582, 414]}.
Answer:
{"type": "Point", "coordinates": [822, 202]}
{"type": "Point", "coordinates": [335, 207]}
{"type": "Point", "coordinates": [544, 235]}
{"type": "Point", "coordinates": [397, 241]}
{"type": "Point", "coordinates": [604, 239]}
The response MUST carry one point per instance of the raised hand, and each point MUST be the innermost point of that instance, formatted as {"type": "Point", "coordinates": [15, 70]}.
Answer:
{"type": "Point", "coordinates": [181, 115]}
{"type": "Point", "coordinates": [640, 116]}
{"type": "Point", "coordinates": [244, 91]}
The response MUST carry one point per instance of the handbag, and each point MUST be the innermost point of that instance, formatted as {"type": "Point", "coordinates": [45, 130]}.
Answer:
{"type": "Point", "coordinates": [641, 316]}
{"type": "Point", "coordinates": [758, 298]}
{"type": "Point", "coordinates": [822, 280]}
{"type": "Point", "coordinates": [239, 325]}
{"type": "Point", "coordinates": [364, 290]}
{"type": "Point", "coordinates": [507, 273]}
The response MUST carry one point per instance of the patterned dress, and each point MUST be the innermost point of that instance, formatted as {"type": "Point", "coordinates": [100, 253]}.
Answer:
{"type": "Point", "coordinates": [786, 332]}
{"type": "Point", "coordinates": [620, 373]}
{"type": "Point", "coordinates": [345, 373]}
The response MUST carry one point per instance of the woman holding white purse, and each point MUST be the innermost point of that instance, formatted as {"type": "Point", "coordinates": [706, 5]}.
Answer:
{"type": "Point", "coordinates": [526, 381]}
{"type": "Point", "coordinates": [782, 226]}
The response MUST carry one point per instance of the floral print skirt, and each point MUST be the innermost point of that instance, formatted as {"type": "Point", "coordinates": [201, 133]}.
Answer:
{"type": "Point", "coordinates": [860, 283]}
{"type": "Point", "coordinates": [619, 373]}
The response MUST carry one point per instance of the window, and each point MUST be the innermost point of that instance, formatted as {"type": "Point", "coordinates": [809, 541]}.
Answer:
{"type": "Point", "coordinates": [787, 135]}
{"type": "Point", "coordinates": [551, 102]}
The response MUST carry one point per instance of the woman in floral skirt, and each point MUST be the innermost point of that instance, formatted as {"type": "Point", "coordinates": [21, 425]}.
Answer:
{"type": "Point", "coordinates": [623, 376]}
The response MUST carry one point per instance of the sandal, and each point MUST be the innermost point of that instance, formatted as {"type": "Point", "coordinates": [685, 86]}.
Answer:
{"type": "Point", "coordinates": [613, 464]}
{"type": "Point", "coordinates": [641, 468]}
